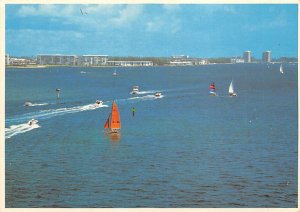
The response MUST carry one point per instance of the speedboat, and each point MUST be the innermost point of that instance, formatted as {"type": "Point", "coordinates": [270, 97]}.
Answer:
{"type": "Point", "coordinates": [99, 102]}
{"type": "Point", "coordinates": [32, 122]}
{"type": "Point", "coordinates": [135, 89]}
{"type": "Point", "coordinates": [28, 104]}
{"type": "Point", "coordinates": [157, 94]}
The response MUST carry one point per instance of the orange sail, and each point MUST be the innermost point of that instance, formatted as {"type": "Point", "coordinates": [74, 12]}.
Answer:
{"type": "Point", "coordinates": [115, 121]}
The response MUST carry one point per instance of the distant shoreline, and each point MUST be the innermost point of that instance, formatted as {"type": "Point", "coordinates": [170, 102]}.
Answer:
{"type": "Point", "coordinates": [49, 66]}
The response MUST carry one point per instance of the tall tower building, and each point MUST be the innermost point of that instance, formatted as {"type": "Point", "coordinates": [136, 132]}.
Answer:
{"type": "Point", "coordinates": [6, 59]}
{"type": "Point", "coordinates": [266, 57]}
{"type": "Point", "coordinates": [247, 56]}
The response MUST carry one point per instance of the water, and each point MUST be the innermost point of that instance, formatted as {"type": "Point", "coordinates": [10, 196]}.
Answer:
{"type": "Point", "coordinates": [186, 149]}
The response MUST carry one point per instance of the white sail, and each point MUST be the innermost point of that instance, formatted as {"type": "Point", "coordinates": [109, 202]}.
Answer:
{"type": "Point", "coordinates": [281, 69]}
{"type": "Point", "coordinates": [231, 88]}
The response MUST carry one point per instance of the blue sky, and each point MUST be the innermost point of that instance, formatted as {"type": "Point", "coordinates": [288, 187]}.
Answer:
{"type": "Point", "coordinates": [197, 30]}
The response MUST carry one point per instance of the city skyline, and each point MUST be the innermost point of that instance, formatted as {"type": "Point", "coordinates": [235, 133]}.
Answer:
{"type": "Point", "coordinates": [152, 30]}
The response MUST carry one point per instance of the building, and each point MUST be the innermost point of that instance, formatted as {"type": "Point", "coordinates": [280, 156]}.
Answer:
{"type": "Point", "coordinates": [180, 57]}
{"type": "Point", "coordinates": [129, 63]}
{"type": "Point", "coordinates": [92, 60]}
{"type": "Point", "coordinates": [72, 60]}
{"type": "Point", "coordinates": [247, 56]}
{"type": "Point", "coordinates": [181, 63]}
{"type": "Point", "coordinates": [266, 57]}
{"type": "Point", "coordinates": [56, 59]}
{"type": "Point", "coordinates": [6, 59]}
{"type": "Point", "coordinates": [17, 61]}
{"type": "Point", "coordinates": [237, 60]}
{"type": "Point", "coordinates": [183, 60]}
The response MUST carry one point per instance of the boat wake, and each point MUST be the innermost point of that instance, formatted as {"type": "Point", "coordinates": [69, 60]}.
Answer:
{"type": "Point", "coordinates": [36, 104]}
{"type": "Point", "coordinates": [45, 114]}
{"type": "Point", "coordinates": [147, 97]}
{"type": "Point", "coordinates": [147, 92]}
{"type": "Point", "coordinates": [17, 129]}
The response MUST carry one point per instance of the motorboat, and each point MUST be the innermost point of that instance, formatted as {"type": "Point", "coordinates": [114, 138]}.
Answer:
{"type": "Point", "coordinates": [135, 89]}
{"type": "Point", "coordinates": [157, 94]}
{"type": "Point", "coordinates": [28, 104]}
{"type": "Point", "coordinates": [99, 102]}
{"type": "Point", "coordinates": [32, 122]}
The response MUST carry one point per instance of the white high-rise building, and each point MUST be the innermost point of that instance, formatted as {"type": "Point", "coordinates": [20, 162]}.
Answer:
{"type": "Point", "coordinates": [6, 59]}
{"type": "Point", "coordinates": [247, 56]}
{"type": "Point", "coordinates": [266, 57]}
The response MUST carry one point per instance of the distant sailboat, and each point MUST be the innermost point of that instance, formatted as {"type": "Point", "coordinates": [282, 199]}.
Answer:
{"type": "Point", "coordinates": [113, 122]}
{"type": "Point", "coordinates": [115, 73]}
{"type": "Point", "coordinates": [231, 89]}
{"type": "Point", "coordinates": [212, 89]}
{"type": "Point", "coordinates": [281, 69]}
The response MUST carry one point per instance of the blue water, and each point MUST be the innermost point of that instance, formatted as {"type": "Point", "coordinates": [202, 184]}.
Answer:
{"type": "Point", "coordinates": [186, 149]}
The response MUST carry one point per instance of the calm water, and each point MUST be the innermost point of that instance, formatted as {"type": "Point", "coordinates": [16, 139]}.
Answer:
{"type": "Point", "coordinates": [186, 149]}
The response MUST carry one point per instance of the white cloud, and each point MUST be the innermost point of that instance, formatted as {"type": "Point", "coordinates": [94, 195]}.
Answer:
{"type": "Point", "coordinates": [168, 20]}
{"type": "Point", "coordinates": [26, 10]}
{"type": "Point", "coordinates": [278, 22]}
{"type": "Point", "coordinates": [42, 41]}
{"type": "Point", "coordinates": [171, 8]}
{"type": "Point", "coordinates": [210, 10]}
{"type": "Point", "coordinates": [94, 16]}
{"type": "Point", "coordinates": [127, 15]}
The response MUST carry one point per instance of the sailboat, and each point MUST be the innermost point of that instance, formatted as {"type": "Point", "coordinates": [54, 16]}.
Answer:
{"type": "Point", "coordinates": [281, 69]}
{"type": "Point", "coordinates": [212, 89]}
{"type": "Point", "coordinates": [231, 89]}
{"type": "Point", "coordinates": [115, 73]}
{"type": "Point", "coordinates": [113, 122]}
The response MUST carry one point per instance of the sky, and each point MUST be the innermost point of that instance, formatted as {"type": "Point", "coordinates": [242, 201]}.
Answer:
{"type": "Point", "coordinates": [159, 30]}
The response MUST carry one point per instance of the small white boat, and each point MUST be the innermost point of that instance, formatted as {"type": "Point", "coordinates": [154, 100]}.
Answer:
{"type": "Point", "coordinates": [57, 92]}
{"type": "Point", "coordinates": [32, 122]}
{"type": "Point", "coordinates": [135, 90]}
{"type": "Point", "coordinates": [157, 94]}
{"type": "Point", "coordinates": [281, 69]}
{"type": "Point", "coordinates": [231, 90]}
{"type": "Point", "coordinates": [28, 104]}
{"type": "Point", "coordinates": [82, 72]}
{"type": "Point", "coordinates": [98, 102]}
{"type": "Point", "coordinates": [115, 73]}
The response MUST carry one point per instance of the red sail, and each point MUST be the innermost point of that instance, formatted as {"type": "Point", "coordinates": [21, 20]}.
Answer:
{"type": "Point", "coordinates": [106, 125]}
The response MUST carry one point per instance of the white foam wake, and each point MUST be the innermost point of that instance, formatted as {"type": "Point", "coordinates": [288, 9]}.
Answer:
{"type": "Point", "coordinates": [147, 92]}
{"type": "Point", "coordinates": [17, 129]}
{"type": "Point", "coordinates": [147, 97]}
{"type": "Point", "coordinates": [37, 104]}
{"type": "Point", "coordinates": [45, 114]}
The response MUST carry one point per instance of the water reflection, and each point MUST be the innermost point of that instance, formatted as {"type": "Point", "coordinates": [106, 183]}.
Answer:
{"type": "Point", "coordinates": [113, 137]}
